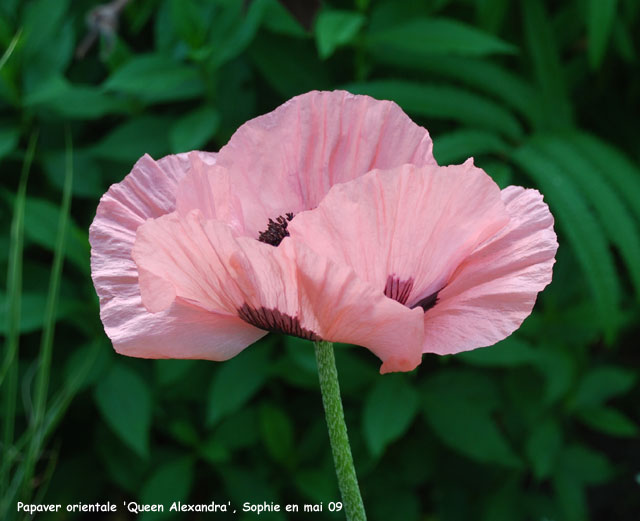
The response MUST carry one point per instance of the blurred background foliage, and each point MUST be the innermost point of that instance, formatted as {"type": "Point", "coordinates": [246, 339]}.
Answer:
{"type": "Point", "coordinates": [543, 426]}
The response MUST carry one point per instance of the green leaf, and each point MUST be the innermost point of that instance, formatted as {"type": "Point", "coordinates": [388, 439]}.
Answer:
{"type": "Point", "coordinates": [511, 352]}
{"type": "Point", "coordinates": [9, 137]}
{"type": "Point", "coordinates": [87, 179]}
{"type": "Point", "coordinates": [169, 482]}
{"type": "Point", "coordinates": [446, 102]}
{"type": "Point", "coordinates": [610, 421]}
{"type": "Point", "coordinates": [169, 372]}
{"type": "Point", "coordinates": [32, 313]}
{"type": "Point", "coordinates": [277, 432]}
{"type": "Point", "coordinates": [41, 20]}
{"type": "Point", "coordinates": [134, 138]}
{"type": "Point", "coordinates": [585, 465]}
{"type": "Point", "coordinates": [614, 217]}
{"type": "Point", "coordinates": [581, 229]}
{"type": "Point", "coordinates": [540, 38]}
{"type": "Point", "coordinates": [193, 130]}
{"type": "Point", "coordinates": [491, 13]}
{"type": "Point", "coordinates": [458, 406]}
{"type": "Point", "coordinates": [457, 146]}
{"type": "Point", "coordinates": [543, 448]}
{"type": "Point", "coordinates": [620, 171]}
{"type": "Point", "coordinates": [287, 77]}
{"type": "Point", "coordinates": [277, 19]}
{"type": "Point", "coordinates": [73, 101]}
{"type": "Point", "coordinates": [125, 403]}
{"type": "Point", "coordinates": [237, 381]}
{"type": "Point", "coordinates": [602, 383]}
{"type": "Point", "coordinates": [389, 410]}
{"type": "Point", "coordinates": [40, 225]}
{"type": "Point", "coordinates": [424, 37]}
{"type": "Point", "coordinates": [600, 16]}
{"type": "Point", "coordinates": [335, 28]}
{"type": "Point", "coordinates": [155, 78]}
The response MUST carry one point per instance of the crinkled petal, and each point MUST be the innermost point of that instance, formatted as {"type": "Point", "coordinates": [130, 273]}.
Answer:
{"type": "Point", "coordinates": [290, 289]}
{"type": "Point", "coordinates": [349, 310]}
{"type": "Point", "coordinates": [149, 191]}
{"type": "Point", "coordinates": [494, 290]}
{"type": "Point", "coordinates": [409, 226]}
{"type": "Point", "coordinates": [287, 160]}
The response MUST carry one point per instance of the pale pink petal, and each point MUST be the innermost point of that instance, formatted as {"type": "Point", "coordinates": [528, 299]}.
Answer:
{"type": "Point", "coordinates": [288, 289]}
{"type": "Point", "coordinates": [494, 290]}
{"type": "Point", "coordinates": [349, 310]}
{"type": "Point", "coordinates": [180, 331]}
{"type": "Point", "coordinates": [287, 160]}
{"type": "Point", "coordinates": [405, 229]}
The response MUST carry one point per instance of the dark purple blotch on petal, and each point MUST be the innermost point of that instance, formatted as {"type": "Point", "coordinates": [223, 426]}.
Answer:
{"type": "Point", "coordinates": [276, 321]}
{"type": "Point", "coordinates": [399, 290]}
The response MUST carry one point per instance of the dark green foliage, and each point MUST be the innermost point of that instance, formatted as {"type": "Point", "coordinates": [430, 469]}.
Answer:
{"type": "Point", "coordinates": [543, 425]}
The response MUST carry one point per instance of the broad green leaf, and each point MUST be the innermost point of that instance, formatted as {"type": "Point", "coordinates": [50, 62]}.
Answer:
{"type": "Point", "coordinates": [124, 401]}
{"type": "Point", "coordinates": [614, 217]}
{"type": "Point", "coordinates": [277, 19]}
{"type": "Point", "coordinates": [446, 102]}
{"type": "Point", "coordinates": [171, 371]}
{"type": "Point", "coordinates": [620, 171]}
{"type": "Point", "coordinates": [40, 222]}
{"type": "Point", "coordinates": [459, 145]}
{"type": "Point", "coordinates": [134, 138]}
{"type": "Point", "coordinates": [543, 447]}
{"type": "Point", "coordinates": [193, 130]}
{"type": "Point", "coordinates": [287, 77]}
{"type": "Point", "coordinates": [313, 484]}
{"type": "Point", "coordinates": [41, 21]}
{"type": "Point", "coordinates": [558, 368]}
{"type": "Point", "coordinates": [582, 230]}
{"type": "Point", "coordinates": [546, 62]}
{"type": "Point", "coordinates": [585, 464]}
{"type": "Point", "coordinates": [511, 352]}
{"type": "Point", "coordinates": [602, 383]}
{"type": "Point", "coordinates": [233, 29]}
{"type": "Point", "coordinates": [389, 410]}
{"type": "Point", "coordinates": [169, 482]}
{"type": "Point", "coordinates": [32, 313]}
{"type": "Point", "coordinates": [73, 101]}
{"type": "Point", "coordinates": [484, 76]}
{"type": "Point", "coordinates": [335, 28]}
{"type": "Point", "coordinates": [610, 421]}
{"type": "Point", "coordinates": [491, 13]}
{"type": "Point", "coordinates": [237, 381]}
{"type": "Point", "coordinates": [89, 363]}
{"type": "Point", "coordinates": [87, 179]}
{"type": "Point", "coordinates": [277, 433]}
{"type": "Point", "coordinates": [155, 78]}
{"type": "Point", "coordinates": [9, 137]}
{"type": "Point", "coordinates": [424, 37]}
{"type": "Point", "coordinates": [239, 430]}
{"type": "Point", "coordinates": [191, 20]}
{"type": "Point", "coordinates": [458, 406]}
{"type": "Point", "coordinates": [600, 16]}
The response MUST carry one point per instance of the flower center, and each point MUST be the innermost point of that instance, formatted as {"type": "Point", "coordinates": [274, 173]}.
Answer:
{"type": "Point", "coordinates": [276, 321]}
{"type": "Point", "coordinates": [400, 290]}
{"type": "Point", "coordinates": [276, 230]}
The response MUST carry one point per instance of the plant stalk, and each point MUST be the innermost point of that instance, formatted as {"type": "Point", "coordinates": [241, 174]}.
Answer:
{"type": "Point", "coordinates": [342, 458]}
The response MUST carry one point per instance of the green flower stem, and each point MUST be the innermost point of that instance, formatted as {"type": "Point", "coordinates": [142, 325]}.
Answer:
{"type": "Point", "coordinates": [342, 459]}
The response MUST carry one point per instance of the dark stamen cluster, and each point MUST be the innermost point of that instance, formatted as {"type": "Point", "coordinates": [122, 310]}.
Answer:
{"type": "Point", "coordinates": [276, 230]}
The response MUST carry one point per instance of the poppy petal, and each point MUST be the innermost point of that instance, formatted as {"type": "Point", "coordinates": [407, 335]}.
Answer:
{"type": "Point", "coordinates": [494, 290]}
{"type": "Point", "coordinates": [149, 192]}
{"type": "Point", "coordinates": [287, 289]}
{"type": "Point", "coordinates": [405, 230]}
{"type": "Point", "coordinates": [287, 160]}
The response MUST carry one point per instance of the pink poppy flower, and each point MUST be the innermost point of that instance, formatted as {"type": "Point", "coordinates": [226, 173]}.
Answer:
{"type": "Point", "coordinates": [183, 255]}
{"type": "Point", "coordinates": [445, 240]}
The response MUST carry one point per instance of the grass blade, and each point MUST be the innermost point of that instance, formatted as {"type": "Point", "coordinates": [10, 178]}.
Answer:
{"type": "Point", "coordinates": [9, 370]}
{"type": "Point", "coordinates": [46, 346]}
{"type": "Point", "coordinates": [600, 16]}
